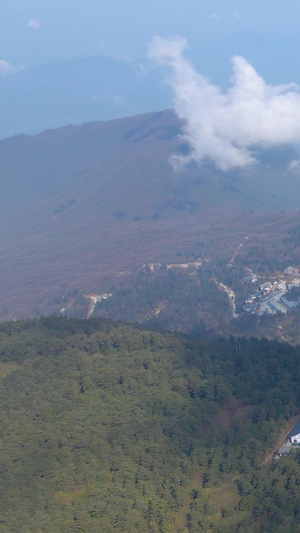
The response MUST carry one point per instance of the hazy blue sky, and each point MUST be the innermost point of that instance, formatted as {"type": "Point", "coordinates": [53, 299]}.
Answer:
{"type": "Point", "coordinates": [34, 32]}
{"type": "Point", "coordinates": [73, 61]}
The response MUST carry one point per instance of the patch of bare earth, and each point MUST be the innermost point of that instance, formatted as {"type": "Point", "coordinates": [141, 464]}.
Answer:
{"type": "Point", "coordinates": [234, 410]}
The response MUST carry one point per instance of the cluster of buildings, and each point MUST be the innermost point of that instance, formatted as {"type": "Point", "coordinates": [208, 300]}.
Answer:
{"type": "Point", "coordinates": [270, 297]}
{"type": "Point", "coordinates": [253, 302]}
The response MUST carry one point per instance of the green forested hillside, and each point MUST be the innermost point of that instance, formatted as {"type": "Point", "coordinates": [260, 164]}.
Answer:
{"type": "Point", "coordinates": [107, 427]}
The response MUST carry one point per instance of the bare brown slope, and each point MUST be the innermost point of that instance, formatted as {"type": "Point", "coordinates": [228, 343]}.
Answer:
{"type": "Point", "coordinates": [81, 203]}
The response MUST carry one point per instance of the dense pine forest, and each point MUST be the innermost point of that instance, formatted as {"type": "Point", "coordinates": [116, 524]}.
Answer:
{"type": "Point", "coordinates": [109, 427]}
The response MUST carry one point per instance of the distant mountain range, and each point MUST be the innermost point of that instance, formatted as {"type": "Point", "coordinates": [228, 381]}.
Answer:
{"type": "Point", "coordinates": [77, 91]}
{"type": "Point", "coordinates": [104, 87]}
{"type": "Point", "coordinates": [82, 203]}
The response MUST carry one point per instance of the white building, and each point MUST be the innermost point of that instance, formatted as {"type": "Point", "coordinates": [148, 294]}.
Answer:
{"type": "Point", "coordinates": [295, 434]}
{"type": "Point", "coordinates": [267, 286]}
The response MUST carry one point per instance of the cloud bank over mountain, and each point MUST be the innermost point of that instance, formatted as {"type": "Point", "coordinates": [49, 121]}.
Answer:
{"type": "Point", "coordinates": [225, 128]}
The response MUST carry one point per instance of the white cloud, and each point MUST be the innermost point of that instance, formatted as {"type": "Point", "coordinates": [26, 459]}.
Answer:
{"type": "Point", "coordinates": [295, 165]}
{"type": "Point", "coordinates": [225, 127]}
{"type": "Point", "coordinates": [214, 16]}
{"type": "Point", "coordinates": [236, 16]}
{"type": "Point", "coordinates": [34, 24]}
{"type": "Point", "coordinates": [8, 68]}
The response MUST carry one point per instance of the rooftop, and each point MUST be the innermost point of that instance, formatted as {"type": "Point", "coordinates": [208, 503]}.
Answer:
{"type": "Point", "coordinates": [284, 450]}
{"type": "Point", "coordinates": [295, 430]}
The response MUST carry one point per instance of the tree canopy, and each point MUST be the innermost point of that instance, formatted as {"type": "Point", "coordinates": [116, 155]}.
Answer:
{"type": "Point", "coordinates": [110, 427]}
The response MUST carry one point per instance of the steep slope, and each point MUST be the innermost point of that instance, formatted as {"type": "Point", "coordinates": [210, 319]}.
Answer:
{"type": "Point", "coordinates": [83, 202]}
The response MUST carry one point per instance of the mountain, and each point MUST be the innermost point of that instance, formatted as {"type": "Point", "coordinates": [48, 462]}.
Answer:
{"type": "Point", "coordinates": [104, 87]}
{"type": "Point", "coordinates": [109, 427]}
{"type": "Point", "coordinates": [82, 204]}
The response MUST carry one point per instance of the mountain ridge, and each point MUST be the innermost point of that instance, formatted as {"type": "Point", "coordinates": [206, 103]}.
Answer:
{"type": "Point", "coordinates": [81, 202]}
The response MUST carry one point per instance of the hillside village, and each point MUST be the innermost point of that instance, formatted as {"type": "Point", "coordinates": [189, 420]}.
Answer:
{"type": "Point", "coordinates": [271, 296]}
